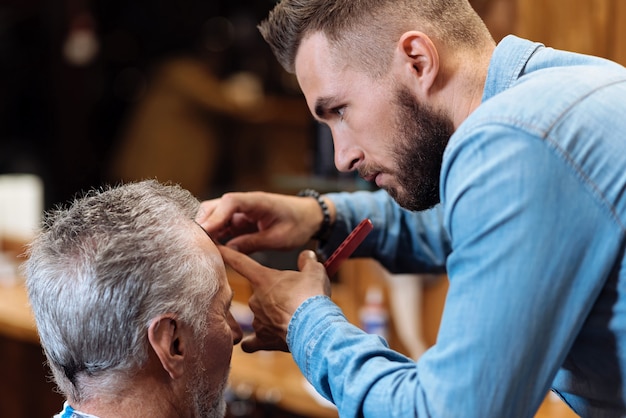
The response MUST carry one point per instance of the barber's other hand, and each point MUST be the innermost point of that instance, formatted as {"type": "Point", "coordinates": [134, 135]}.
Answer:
{"type": "Point", "coordinates": [276, 295]}
{"type": "Point", "coordinates": [256, 221]}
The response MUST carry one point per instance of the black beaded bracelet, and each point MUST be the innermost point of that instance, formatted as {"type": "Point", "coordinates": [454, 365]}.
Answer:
{"type": "Point", "coordinates": [322, 233]}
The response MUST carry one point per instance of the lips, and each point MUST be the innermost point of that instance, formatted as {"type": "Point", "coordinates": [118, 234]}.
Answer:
{"type": "Point", "coordinates": [379, 180]}
{"type": "Point", "coordinates": [371, 174]}
{"type": "Point", "coordinates": [373, 178]}
{"type": "Point", "coordinates": [369, 177]}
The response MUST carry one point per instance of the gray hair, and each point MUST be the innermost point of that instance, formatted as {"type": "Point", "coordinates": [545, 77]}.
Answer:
{"type": "Point", "coordinates": [101, 269]}
{"type": "Point", "coordinates": [368, 29]}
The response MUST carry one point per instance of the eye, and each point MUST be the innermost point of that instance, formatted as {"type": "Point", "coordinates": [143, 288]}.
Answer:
{"type": "Point", "coordinates": [339, 111]}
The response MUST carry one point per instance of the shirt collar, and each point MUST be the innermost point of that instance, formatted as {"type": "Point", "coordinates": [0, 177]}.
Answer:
{"type": "Point", "coordinates": [507, 64]}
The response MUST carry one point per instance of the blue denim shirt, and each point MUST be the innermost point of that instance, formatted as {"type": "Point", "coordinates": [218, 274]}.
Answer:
{"type": "Point", "coordinates": [69, 412]}
{"type": "Point", "coordinates": [530, 231]}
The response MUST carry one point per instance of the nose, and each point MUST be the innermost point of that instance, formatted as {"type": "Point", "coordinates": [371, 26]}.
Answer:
{"type": "Point", "coordinates": [347, 156]}
{"type": "Point", "coordinates": [235, 329]}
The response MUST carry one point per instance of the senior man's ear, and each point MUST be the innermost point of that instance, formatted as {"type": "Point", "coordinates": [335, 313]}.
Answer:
{"type": "Point", "coordinates": [167, 341]}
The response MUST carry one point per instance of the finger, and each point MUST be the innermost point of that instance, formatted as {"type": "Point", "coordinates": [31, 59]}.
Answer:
{"type": "Point", "coordinates": [217, 213]}
{"type": "Point", "coordinates": [308, 262]}
{"type": "Point", "coordinates": [205, 209]}
{"type": "Point", "coordinates": [243, 223]}
{"type": "Point", "coordinates": [251, 242]}
{"type": "Point", "coordinates": [243, 234]}
{"type": "Point", "coordinates": [250, 344]}
{"type": "Point", "coordinates": [306, 259]}
{"type": "Point", "coordinates": [244, 265]}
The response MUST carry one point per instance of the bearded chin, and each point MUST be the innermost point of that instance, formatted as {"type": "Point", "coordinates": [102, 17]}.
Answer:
{"type": "Point", "coordinates": [207, 402]}
{"type": "Point", "coordinates": [423, 135]}
{"type": "Point", "coordinates": [419, 184]}
{"type": "Point", "coordinates": [209, 405]}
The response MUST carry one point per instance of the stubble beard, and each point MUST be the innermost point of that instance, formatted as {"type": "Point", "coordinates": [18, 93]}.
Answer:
{"type": "Point", "coordinates": [207, 404]}
{"type": "Point", "coordinates": [207, 401]}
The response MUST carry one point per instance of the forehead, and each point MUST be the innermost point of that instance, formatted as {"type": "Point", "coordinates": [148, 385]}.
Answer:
{"type": "Point", "coordinates": [329, 79]}
{"type": "Point", "coordinates": [314, 49]}
{"type": "Point", "coordinates": [209, 249]}
{"type": "Point", "coordinates": [317, 72]}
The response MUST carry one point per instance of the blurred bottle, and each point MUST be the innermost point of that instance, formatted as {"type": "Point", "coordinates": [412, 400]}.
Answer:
{"type": "Point", "coordinates": [373, 315]}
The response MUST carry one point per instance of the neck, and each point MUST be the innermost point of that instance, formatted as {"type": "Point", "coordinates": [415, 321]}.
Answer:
{"type": "Point", "coordinates": [145, 396]}
{"type": "Point", "coordinates": [463, 82]}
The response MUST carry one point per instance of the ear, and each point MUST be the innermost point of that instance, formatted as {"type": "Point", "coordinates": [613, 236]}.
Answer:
{"type": "Point", "coordinates": [167, 341]}
{"type": "Point", "coordinates": [420, 57]}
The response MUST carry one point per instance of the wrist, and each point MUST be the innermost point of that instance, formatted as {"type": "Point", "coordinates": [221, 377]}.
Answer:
{"type": "Point", "coordinates": [323, 232]}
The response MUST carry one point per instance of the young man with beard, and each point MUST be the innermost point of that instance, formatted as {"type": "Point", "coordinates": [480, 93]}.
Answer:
{"type": "Point", "coordinates": [504, 166]}
{"type": "Point", "coordinates": [131, 302]}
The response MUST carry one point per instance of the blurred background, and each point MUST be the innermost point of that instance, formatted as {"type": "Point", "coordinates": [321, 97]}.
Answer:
{"type": "Point", "coordinates": [103, 91]}
{"type": "Point", "coordinates": [99, 91]}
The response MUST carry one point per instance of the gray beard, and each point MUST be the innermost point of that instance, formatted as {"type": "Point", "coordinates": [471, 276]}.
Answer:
{"type": "Point", "coordinates": [205, 403]}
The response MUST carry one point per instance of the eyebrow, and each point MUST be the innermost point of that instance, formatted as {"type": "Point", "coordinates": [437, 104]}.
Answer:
{"type": "Point", "coordinates": [230, 301]}
{"type": "Point", "coordinates": [322, 105]}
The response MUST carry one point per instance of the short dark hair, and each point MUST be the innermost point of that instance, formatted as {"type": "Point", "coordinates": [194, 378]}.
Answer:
{"type": "Point", "coordinates": [369, 27]}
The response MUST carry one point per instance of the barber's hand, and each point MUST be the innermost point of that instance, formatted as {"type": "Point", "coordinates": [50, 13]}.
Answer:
{"type": "Point", "coordinates": [256, 221]}
{"type": "Point", "coordinates": [276, 295]}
